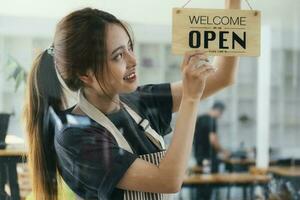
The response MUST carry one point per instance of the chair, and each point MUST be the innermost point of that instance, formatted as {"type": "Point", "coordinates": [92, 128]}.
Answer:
{"type": "Point", "coordinates": [4, 120]}
{"type": "Point", "coordinates": [288, 162]}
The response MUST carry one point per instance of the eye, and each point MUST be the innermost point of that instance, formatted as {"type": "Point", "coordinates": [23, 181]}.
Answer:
{"type": "Point", "coordinates": [118, 56]}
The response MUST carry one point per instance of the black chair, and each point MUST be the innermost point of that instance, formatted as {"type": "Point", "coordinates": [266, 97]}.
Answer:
{"type": "Point", "coordinates": [286, 162]}
{"type": "Point", "coordinates": [4, 121]}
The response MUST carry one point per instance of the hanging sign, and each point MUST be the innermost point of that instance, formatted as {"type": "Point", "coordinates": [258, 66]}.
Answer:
{"type": "Point", "coordinates": [216, 31]}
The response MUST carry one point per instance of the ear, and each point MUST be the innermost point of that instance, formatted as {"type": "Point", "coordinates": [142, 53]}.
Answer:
{"type": "Point", "coordinates": [87, 78]}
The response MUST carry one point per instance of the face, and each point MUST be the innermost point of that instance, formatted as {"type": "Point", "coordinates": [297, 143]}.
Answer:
{"type": "Point", "coordinates": [121, 61]}
{"type": "Point", "coordinates": [218, 113]}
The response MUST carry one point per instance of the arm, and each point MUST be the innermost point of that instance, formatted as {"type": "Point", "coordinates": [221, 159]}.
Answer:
{"type": "Point", "coordinates": [225, 75]}
{"type": "Point", "coordinates": [213, 137]}
{"type": "Point", "coordinates": [214, 141]}
{"type": "Point", "coordinates": [169, 175]}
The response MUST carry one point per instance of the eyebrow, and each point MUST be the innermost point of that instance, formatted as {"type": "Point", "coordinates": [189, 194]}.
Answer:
{"type": "Point", "coordinates": [120, 47]}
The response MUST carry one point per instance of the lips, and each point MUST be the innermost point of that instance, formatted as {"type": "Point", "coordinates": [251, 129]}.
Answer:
{"type": "Point", "coordinates": [130, 76]}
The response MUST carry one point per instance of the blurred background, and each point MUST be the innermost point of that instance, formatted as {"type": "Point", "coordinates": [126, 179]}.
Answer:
{"type": "Point", "coordinates": [27, 27]}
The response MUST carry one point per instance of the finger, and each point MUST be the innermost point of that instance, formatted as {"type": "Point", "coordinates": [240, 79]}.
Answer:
{"type": "Point", "coordinates": [207, 70]}
{"type": "Point", "coordinates": [197, 58]}
{"type": "Point", "coordinates": [203, 67]}
{"type": "Point", "coordinates": [205, 73]}
{"type": "Point", "coordinates": [199, 63]}
{"type": "Point", "coordinates": [189, 54]}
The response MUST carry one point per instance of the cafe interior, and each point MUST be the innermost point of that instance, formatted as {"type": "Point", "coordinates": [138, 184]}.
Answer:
{"type": "Point", "coordinates": [258, 129]}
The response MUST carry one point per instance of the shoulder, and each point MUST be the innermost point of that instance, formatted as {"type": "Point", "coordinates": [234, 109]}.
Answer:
{"type": "Point", "coordinates": [204, 120]}
{"type": "Point", "coordinates": [149, 96]}
{"type": "Point", "coordinates": [149, 90]}
{"type": "Point", "coordinates": [206, 117]}
{"type": "Point", "coordinates": [78, 131]}
{"type": "Point", "coordinates": [203, 117]}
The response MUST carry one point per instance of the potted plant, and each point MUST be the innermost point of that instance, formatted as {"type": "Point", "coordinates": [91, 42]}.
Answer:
{"type": "Point", "coordinates": [18, 74]}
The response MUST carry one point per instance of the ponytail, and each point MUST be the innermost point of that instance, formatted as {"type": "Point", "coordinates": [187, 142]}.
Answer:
{"type": "Point", "coordinates": [43, 90]}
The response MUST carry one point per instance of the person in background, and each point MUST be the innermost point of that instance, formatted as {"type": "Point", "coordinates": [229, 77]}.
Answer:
{"type": "Point", "coordinates": [206, 142]}
{"type": "Point", "coordinates": [207, 145]}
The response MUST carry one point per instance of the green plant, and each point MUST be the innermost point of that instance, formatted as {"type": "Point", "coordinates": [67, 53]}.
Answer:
{"type": "Point", "coordinates": [244, 118]}
{"type": "Point", "coordinates": [16, 72]}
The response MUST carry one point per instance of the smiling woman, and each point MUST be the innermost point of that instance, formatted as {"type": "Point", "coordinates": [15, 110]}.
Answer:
{"type": "Point", "coordinates": [110, 144]}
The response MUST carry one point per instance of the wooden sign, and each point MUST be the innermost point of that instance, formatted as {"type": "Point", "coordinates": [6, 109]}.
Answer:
{"type": "Point", "coordinates": [217, 31]}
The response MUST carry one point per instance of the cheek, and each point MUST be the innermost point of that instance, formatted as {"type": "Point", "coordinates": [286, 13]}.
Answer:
{"type": "Point", "coordinates": [116, 75]}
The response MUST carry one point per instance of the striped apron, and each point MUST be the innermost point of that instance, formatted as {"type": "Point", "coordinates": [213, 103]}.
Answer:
{"type": "Point", "coordinates": [154, 158]}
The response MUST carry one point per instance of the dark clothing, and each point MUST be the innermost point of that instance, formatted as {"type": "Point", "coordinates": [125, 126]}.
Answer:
{"type": "Point", "coordinates": [89, 158]}
{"type": "Point", "coordinates": [202, 148]}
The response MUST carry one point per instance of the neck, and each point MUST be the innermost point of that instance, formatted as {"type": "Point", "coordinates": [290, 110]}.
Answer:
{"type": "Point", "coordinates": [106, 104]}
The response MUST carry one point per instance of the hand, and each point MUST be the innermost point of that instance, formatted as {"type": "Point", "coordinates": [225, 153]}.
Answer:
{"type": "Point", "coordinates": [232, 4]}
{"type": "Point", "coordinates": [226, 154]}
{"type": "Point", "coordinates": [195, 70]}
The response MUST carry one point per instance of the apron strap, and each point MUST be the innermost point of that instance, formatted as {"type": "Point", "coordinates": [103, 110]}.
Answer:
{"type": "Point", "coordinates": [149, 131]}
{"type": "Point", "coordinates": [101, 119]}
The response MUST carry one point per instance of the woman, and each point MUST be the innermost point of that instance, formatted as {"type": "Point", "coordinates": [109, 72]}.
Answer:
{"type": "Point", "coordinates": [109, 145]}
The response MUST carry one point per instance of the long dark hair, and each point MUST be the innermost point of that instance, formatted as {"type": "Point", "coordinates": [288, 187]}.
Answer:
{"type": "Point", "coordinates": [79, 45]}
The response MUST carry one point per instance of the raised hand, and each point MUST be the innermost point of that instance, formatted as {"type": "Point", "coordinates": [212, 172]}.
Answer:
{"type": "Point", "coordinates": [195, 70]}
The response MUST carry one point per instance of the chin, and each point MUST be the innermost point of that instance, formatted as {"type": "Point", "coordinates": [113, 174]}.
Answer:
{"type": "Point", "coordinates": [130, 87]}
{"type": "Point", "coordinates": [133, 88]}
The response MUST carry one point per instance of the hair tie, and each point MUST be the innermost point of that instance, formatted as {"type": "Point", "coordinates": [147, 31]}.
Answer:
{"type": "Point", "coordinates": [50, 50]}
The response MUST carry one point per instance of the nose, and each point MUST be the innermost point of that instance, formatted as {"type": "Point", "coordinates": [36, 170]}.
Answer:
{"type": "Point", "coordinates": [130, 59]}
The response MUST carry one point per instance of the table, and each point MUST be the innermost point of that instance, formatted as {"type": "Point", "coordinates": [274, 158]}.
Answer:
{"type": "Point", "coordinates": [218, 180]}
{"type": "Point", "coordinates": [9, 158]}
{"type": "Point", "coordinates": [293, 172]}
{"type": "Point", "coordinates": [231, 164]}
